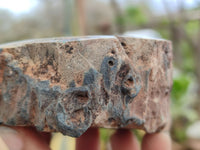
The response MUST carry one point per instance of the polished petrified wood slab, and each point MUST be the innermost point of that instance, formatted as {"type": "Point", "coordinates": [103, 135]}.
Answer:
{"type": "Point", "coordinates": [72, 83]}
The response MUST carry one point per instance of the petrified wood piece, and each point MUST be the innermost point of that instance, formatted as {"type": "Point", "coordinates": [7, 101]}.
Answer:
{"type": "Point", "coordinates": [71, 84]}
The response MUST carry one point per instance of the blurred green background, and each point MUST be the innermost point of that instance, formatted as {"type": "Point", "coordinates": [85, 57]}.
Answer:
{"type": "Point", "coordinates": [176, 20]}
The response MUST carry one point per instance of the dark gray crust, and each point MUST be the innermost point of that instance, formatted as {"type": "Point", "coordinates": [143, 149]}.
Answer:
{"type": "Point", "coordinates": [71, 84]}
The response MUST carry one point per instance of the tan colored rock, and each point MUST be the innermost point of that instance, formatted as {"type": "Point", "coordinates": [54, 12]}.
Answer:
{"type": "Point", "coordinates": [71, 84]}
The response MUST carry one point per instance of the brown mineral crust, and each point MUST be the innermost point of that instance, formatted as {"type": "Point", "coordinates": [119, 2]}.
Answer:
{"type": "Point", "coordinates": [71, 84]}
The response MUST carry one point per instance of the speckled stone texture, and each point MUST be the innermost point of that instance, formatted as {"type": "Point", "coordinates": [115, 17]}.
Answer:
{"type": "Point", "coordinates": [72, 83]}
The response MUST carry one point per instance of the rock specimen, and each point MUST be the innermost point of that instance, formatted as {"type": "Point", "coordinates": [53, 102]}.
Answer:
{"type": "Point", "coordinates": [71, 84]}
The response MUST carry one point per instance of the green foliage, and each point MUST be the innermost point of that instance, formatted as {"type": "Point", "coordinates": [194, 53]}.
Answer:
{"type": "Point", "coordinates": [192, 27]}
{"type": "Point", "coordinates": [188, 65]}
{"type": "Point", "coordinates": [133, 16]}
{"type": "Point", "coordinates": [120, 20]}
{"type": "Point", "coordinates": [164, 33]}
{"type": "Point", "coordinates": [181, 98]}
{"type": "Point", "coordinates": [105, 134]}
{"type": "Point", "coordinates": [139, 134]}
{"type": "Point", "coordinates": [180, 134]}
{"type": "Point", "coordinates": [179, 89]}
{"type": "Point", "coordinates": [182, 114]}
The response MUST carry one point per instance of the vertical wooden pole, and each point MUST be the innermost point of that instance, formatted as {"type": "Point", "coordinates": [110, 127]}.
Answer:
{"type": "Point", "coordinates": [69, 12]}
{"type": "Point", "coordinates": [81, 20]}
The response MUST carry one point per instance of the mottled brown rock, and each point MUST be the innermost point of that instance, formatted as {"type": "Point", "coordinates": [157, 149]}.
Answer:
{"type": "Point", "coordinates": [71, 84]}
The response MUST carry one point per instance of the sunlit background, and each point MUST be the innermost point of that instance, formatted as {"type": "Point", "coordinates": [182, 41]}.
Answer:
{"type": "Point", "coordinates": [176, 20]}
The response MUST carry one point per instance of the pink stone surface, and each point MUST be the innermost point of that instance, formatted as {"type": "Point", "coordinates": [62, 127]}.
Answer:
{"type": "Point", "coordinates": [72, 83]}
